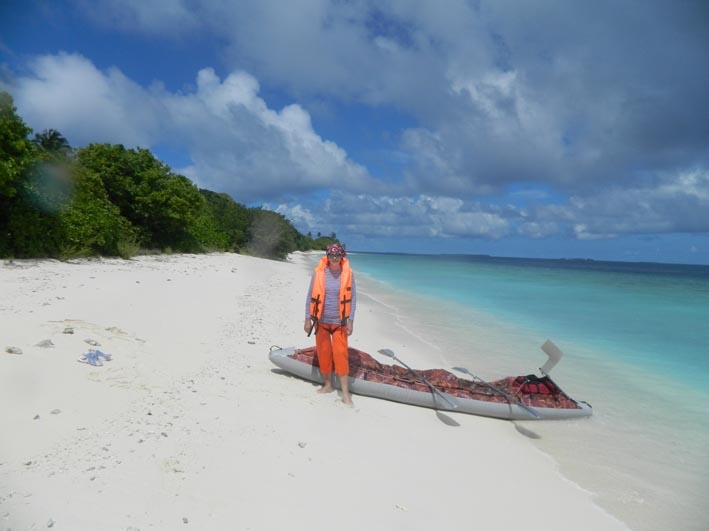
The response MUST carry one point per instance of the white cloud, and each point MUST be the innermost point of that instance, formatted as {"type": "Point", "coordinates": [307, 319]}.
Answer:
{"type": "Point", "coordinates": [679, 204]}
{"type": "Point", "coordinates": [297, 214]}
{"type": "Point", "coordinates": [604, 101]}
{"type": "Point", "coordinates": [237, 144]}
{"type": "Point", "coordinates": [241, 146]}
{"type": "Point", "coordinates": [68, 93]}
{"type": "Point", "coordinates": [163, 17]}
{"type": "Point", "coordinates": [383, 216]}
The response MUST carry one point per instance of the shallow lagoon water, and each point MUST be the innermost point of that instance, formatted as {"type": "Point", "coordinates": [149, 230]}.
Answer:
{"type": "Point", "coordinates": [636, 343]}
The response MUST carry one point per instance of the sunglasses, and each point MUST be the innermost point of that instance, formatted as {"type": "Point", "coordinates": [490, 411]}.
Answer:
{"type": "Point", "coordinates": [334, 256]}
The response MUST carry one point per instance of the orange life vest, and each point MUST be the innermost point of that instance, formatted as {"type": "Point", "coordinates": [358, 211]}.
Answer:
{"type": "Point", "coordinates": [317, 297]}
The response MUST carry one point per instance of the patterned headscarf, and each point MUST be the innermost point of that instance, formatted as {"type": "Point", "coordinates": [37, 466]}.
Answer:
{"type": "Point", "coordinates": [335, 249]}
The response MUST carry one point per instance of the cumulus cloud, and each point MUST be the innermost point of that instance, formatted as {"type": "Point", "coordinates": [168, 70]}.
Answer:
{"type": "Point", "coordinates": [67, 92]}
{"type": "Point", "coordinates": [572, 104]}
{"type": "Point", "coordinates": [679, 204]}
{"type": "Point", "coordinates": [236, 143]}
{"type": "Point", "coordinates": [364, 216]}
{"type": "Point", "coordinates": [241, 146]}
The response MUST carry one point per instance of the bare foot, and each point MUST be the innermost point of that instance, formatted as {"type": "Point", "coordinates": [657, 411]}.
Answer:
{"type": "Point", "coordinates": [325, 389]}
{"type": "Point", "coordinates": [347, 401]}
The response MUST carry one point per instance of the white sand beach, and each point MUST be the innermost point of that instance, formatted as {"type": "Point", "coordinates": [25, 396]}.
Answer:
{"type": "Point", "coordinates": [189, 426]}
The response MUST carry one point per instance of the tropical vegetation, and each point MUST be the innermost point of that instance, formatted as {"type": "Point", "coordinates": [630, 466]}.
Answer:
{"type": "Point", "coordinates": [108, 200]}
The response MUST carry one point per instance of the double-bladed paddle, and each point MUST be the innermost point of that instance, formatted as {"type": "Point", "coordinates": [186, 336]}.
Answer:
{"type": "Point", "coordinates": [448, 399]}
{"type": "Point", "coordinates": [508, 396]}
{"type": "Point", "coordinates": [554, 353]}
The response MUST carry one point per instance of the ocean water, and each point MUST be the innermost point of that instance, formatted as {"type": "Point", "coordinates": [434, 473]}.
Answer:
{"type": "Point", "coordinates": [636, 344]}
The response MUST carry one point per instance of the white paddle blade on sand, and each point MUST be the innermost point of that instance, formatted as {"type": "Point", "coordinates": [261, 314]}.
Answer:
{"type": "Point", "coordinates": [387, 352]}
{"type": "Point", "coordinates": [551, 350]}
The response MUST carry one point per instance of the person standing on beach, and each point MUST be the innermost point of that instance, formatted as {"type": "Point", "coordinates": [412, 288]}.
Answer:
{"type": "Point", "coordinates": [329, 309]}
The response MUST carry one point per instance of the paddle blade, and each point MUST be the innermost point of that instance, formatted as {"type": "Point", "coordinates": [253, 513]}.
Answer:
{"type": "Point", "coordinates": [551, 350]}
{"type": "Point", "coordinates": [447, 398]}
{"type": "Point", "coordinates": [386, 352]}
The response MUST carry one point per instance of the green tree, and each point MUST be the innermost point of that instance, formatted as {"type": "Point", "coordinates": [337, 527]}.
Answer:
{"type": "Point", "coordinates": [16, 151]}
{"type": "Point", "coordinates": [230, 219]}
{"type": "Point", "coordinates": [52, 141]}
{"type": "Point", "coordinates": [20, 223]}
{"type": "Point", "coordinates": [166, 205]}
{"type": "Point", "coordinates": [161, 205]}
{"type": "Point", "coordinates": [121, 171]}
{"type": "Point", "coordinates": [91, 224]}
{"type": "Point", "coordinates": [271, 235]}
{"type": "Point", "coordinates": [321, 242]}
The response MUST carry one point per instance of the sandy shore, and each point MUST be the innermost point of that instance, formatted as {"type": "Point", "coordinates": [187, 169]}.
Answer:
{"type": "Point", "coordinates": [190, 426]}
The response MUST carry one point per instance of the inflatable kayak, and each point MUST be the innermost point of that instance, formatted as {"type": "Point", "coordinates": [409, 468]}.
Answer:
{"type": "Point", "coordinates": [514, 398]}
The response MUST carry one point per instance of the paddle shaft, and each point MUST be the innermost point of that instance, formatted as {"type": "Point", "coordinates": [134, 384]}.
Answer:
{"type": "Point", "coordinates": [508, 396]}
{"type": "Point", "coordinates": [422, 378]}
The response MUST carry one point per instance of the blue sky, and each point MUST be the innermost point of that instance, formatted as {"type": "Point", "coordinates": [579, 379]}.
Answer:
{"type": "Point", "coordinates": [566, 129]}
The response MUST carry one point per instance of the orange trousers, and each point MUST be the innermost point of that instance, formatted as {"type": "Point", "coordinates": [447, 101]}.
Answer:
{"type": "Point", "coordinates": [331, 345]}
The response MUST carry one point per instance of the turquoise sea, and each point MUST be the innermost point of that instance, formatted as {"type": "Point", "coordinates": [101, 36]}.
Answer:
{"type": "Point", "coordinates": [636, 344]}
